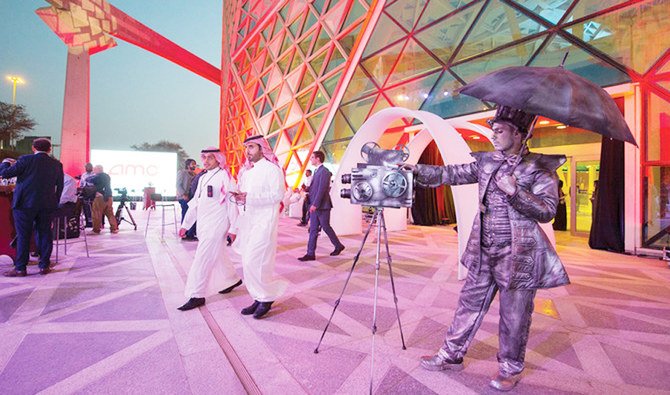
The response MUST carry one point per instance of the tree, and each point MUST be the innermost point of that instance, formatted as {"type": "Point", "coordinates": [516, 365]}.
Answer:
{"type": "Point", "coordinates": [164, 146]}
{"type": "Point", "coordinates": [14, 122]}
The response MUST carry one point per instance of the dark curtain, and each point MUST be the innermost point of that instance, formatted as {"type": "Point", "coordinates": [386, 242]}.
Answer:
{"type": "Point", "coordinates": [607, 229]}
{"type": "Point", "coordinates": [433, 206]}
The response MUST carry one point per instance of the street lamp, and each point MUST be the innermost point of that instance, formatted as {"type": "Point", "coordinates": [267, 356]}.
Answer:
{"type": "Point", "coordinates": [15, 80]}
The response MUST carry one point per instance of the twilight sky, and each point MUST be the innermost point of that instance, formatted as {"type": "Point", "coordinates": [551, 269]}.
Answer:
{"type": "Point", "coordinates": [136, 96]}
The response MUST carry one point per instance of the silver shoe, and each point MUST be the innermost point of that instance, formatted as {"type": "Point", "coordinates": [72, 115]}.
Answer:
{"type": "Point", "coordinates": [504, 382]}
{"type": "Point", "coordinates": [437, 362]}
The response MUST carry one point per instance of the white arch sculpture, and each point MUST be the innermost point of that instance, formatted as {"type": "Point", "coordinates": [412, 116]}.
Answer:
{"type": "Point", "coordinates": [346, 217]}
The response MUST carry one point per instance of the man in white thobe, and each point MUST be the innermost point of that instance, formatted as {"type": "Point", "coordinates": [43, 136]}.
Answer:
{"type": "Point", "coordinates": [216, 216]}
{"type": "Point", "coordinates": [261, 191]}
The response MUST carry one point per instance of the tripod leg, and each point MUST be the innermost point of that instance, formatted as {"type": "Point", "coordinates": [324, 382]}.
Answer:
{"type": "Point", "coordinates": [395, 297]}
{"type": "Point", "coordinates": [132, 220]}
{"type": "Point", "coordinates": [337, 302]}
{"type": "Point", "coordinates": [380, 215]}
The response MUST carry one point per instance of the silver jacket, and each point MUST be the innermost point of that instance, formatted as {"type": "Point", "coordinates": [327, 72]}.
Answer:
{"type": "Point", "coordinates": [533, 262]}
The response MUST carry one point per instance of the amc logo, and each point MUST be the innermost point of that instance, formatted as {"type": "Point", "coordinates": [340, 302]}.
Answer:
{"type": "Point", "coordinates": [133, 170]}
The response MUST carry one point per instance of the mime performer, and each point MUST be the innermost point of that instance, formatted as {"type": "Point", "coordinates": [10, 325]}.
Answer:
{"type": "Point", "coordinates": [262, 188]}
{"type": "Point", "coordinates": [216, 214]}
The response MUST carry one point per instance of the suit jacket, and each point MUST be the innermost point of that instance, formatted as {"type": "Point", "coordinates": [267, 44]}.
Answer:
{"type": "Point", "coordinates": [533, 262]}
{"type": "Point", "coordinates": [39, 181]}
{"type": "Point", "coordinates": [319, 189]}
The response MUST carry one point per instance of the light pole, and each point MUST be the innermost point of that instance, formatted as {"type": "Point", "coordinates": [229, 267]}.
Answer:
{"type": "Point", "coordinates": [15, 80]}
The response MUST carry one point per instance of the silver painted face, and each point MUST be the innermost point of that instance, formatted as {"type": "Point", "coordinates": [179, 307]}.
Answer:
{"type": "Point", "coordinates": [503, 136]}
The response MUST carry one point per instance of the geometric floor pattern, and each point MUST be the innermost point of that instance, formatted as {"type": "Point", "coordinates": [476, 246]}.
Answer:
{"type": "Point", "coordinates": [109, 324]}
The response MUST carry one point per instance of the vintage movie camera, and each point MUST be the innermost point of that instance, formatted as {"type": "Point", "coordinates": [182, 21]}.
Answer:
{"type": "Point", "coordinates": [380, 182]}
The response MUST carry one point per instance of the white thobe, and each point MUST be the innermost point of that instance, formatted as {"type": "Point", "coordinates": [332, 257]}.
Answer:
{"type": "Point", "coordinates": [257, 229]}
{"type": "Point", "coordinates": [212, 269]}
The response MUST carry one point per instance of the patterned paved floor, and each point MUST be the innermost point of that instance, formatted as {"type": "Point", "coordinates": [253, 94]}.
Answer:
{"type": "Point", "coordinates": [109, 324]}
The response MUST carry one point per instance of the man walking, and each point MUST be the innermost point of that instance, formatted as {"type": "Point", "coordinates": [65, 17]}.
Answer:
{"type": "Point", "coordinates": [39, 184]}
{"type": "Point", "coordinates": [216, 215]}
{"type": "Point", "coordinates": [319, 211]}
{"type": "Point", "coordinates": [102, 204]}
{"type": "Point", "coordinates": [262, 188]}
{"type": "Point", "coordinates": [507, 251]}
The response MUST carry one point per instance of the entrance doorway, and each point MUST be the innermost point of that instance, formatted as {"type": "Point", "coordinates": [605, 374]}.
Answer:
{"type": "Point", "coordinates": [586, 172]}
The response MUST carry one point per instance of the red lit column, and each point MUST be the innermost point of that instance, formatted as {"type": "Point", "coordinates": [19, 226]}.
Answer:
{"type": "Point", "coordinates": [75, 137]}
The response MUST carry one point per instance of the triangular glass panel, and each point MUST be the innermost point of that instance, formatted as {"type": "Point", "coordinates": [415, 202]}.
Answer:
{"type": "Point", "coordinates": [273, 95]}
{"type": "Point", "coordinates": [264, 124]}
{"type": "Point", "coordinates": [306, 44]}
{"type": "Point", "coordinates": [513, 56]}
{"type": "Point", "coordinates": [259, 63]}
{"type": "Point", "coordinates": [305, 99]}
{"type": "Point", "coordinates": [588, 7]}
{"type": "Point", "coordinates": [267, 32]}
{"type": "Point", "coordinates": [293, 79]}
{"type": "Point", "coordinates": [330, 84]}
{"type": "Point", "coordinates": [333, 19]}
{"type": "Point", "coordinates": [665, 85]}
{"type": "Point", "coordinates": [439, 9]}
{"type": "Point", "coordinates": [322, 41]}
{"type": "Point", "coordinates": [284, 62]}
{"type": "Point", "coordinates": [386, 32]}
{"type": "Point", "coordinates": [665, 68]}
{"type": "Point", "coordinates": [292, 131]}
{"type": "Point", "coordinates": [357, 112]}
{"type": "Point", "coordinates": [318, 5]}
{"type": "Point", "coordinates": [307, 80]}
{"type": "Point", "coordinates": [443, 101]}
{"type": "Point", "coordinates": [317, 62]}
{"type": "Point", "coordinates": [629, 42]}
{"type": "Point", "coordinates": [336, 59]}
{"type": "Point", "coordinates": [306, 136]}
{"type": "Point", "coordinates": [264, 79]}
{"type": "Point", "coordinates": [294, 115]}
{"type": "Point", "coordinates": [311, 21]}
{"type": "Point", "coordinates": [267, 108]}
{"type": "Point", "coordinates": [258, 107]}
{"type": "Point", "coordinates": [272, 140]}
{"type": "Point", "coordinates": [275, 77]}
{"type": "Point", "coordinates": [349, 40]}
{"type": "Point", "coordinates": [296, 27]}
{"type": "Point", "coordinates": [381, 64]}
{"type": "Point", "coordinates": [259, 91]}
{"type": "Point", "coordinates": [579, 62]}
{"type": "Point", "coordinates": [275, 45]}
{"type": "Point", "coordinates": [284, 12]}
{"type": "Point", "coordinates": [338, 129]}
{"type": "Point", "coordinates": [268, 61]}
{"type": "Point", "coordinates": [406, 12]}
{"type": "Point", "coordinates": [356, 12]}
{"type": "Point", "coordinates": [549, 11]}
{"type": "Point", "coordinates": [498, 25]}
{"type": "Point", "coordinates": [278, 25]}
{"type": "Point", "coordinates": [298, 8]}
{"type": "Point", "coordinates": [320, 100]}
{"type": "Point", "coordinates": [443, 37]}
{"type": "Point", "coordinates": [413, 61]}
{"type": "Point", "coordinates": [287, 43]}
{"type": "Point", "coordinates": [360, 85]}
{"type": "Point", "coordinates": [297, 61]}
{"type": "Point", "coordinates": [412, 94]}
{"type": "Point", "coordinates": [315, 120]}
{"type": "Point", "coordinates": [276, 124]}
{"type": "Point", "coordinates": [285, 95]}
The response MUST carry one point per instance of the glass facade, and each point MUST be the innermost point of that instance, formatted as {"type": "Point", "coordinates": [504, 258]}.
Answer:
{"type": "Point", "coordinates": [307, 74]}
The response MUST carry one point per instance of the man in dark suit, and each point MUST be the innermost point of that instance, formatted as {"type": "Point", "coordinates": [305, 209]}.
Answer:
{"type": "Point", "coordinates": [319, 211]}
{"type": "Point", "coordinates": [39, 184]}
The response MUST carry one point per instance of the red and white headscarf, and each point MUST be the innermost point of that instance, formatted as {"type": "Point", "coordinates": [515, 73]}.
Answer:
{"type": "Point", "coordinates": [221, 158]}
{"type": "Point", "coordinates": [268, 154]}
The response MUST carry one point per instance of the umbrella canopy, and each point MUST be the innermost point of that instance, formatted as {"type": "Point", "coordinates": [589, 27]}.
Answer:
{"type": "Point", "coordinates": [555, 93]}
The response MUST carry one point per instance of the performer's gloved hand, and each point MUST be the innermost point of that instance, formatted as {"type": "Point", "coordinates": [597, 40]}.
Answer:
{"type": "Point", "coordinates": [407, 166]}
{"type": "Point", "coordinates": [507, 184]}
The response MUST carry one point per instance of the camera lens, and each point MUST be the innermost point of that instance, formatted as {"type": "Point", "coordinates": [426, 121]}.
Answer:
{"type": "Point", "coordinates": [346, 178]}
{"type": "Point", "coordinates": [345, 193]}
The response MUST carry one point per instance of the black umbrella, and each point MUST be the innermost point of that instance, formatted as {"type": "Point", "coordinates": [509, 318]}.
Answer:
{"type": "Point", "coordinates": [555, 93]}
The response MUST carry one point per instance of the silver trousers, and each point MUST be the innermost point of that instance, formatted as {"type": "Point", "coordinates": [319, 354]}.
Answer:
{"type": "Point", "coordinates": [516, 308]}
